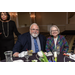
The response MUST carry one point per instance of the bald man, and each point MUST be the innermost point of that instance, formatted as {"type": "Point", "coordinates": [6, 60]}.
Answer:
{"type": "Point", "coordinates": [26, 41]}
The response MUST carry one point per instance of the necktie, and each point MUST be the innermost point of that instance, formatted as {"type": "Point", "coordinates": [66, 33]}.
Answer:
{"type": "Point", "coordinates": [36, 45]}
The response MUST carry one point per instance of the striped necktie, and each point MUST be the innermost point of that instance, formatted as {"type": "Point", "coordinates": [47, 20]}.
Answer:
{"type": "Point", "coordinates": [36, 45]}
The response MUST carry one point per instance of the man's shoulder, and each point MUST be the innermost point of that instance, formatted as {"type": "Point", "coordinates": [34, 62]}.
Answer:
{"type": "Point", "coordinates": [24, 35]}
{"type": "Point", "coordinates": [42, 35]}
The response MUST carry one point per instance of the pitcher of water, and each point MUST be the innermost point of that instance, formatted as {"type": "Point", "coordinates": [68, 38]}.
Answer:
{"type": "Point", "coordinates": [8, 56]}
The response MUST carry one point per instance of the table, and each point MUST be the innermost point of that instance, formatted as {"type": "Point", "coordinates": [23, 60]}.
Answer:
{"type": "Point", "coordinates": [60, 58]}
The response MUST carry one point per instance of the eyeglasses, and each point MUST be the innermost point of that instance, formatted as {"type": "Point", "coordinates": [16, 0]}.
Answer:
{"type": "Point", "coordinates": [35, 29]}
{"type": "Point", "coordinates": [54, 30]}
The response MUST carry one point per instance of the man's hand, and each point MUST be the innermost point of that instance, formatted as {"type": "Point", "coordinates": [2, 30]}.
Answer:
{"type": "Point", "coordinates": [15, 54]}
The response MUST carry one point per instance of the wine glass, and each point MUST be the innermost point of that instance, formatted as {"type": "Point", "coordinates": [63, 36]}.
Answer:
{"type": "Point", "coordinates": [27, 56]}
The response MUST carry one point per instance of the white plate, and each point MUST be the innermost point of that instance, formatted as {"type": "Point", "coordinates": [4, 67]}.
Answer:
{"type": "Point", "coordinates": [18, 61]}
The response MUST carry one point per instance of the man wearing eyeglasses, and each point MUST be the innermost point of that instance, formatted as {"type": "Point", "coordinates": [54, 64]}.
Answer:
{"type": "Point", "coordinates": [32, 40]}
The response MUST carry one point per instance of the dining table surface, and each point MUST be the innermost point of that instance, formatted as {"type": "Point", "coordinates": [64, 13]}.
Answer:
{"type": "Point", "coordinates": [60, 58]}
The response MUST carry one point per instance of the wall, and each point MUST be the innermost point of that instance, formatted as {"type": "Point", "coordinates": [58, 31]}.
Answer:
{"type": "Point", "coordinates": [70, 14]}
{"type": "Point", "coordinates": [46, 28]}
{"type": "Point", "coordinates": [47, 18]}
{"type": "Point", "coordinates": [23, 18]}
{"type": "Point", "coordinates": [22, 30]}
{"type": "Point", "coordinates": [70, 27]}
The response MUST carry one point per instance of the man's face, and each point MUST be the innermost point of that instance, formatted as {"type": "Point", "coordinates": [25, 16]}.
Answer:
{"type": "Point", "coordinates": [34, 30]}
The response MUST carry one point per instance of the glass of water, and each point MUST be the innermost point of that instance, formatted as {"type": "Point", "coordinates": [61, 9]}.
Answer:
{"type": "Point", "coordinates": [27, 56]}
{"type": "Point", "coordinates": [8, 56]}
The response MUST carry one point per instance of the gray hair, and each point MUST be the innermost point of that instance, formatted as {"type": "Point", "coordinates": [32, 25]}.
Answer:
{"type": "Point", "coordinates": [55, 27]}
{"type": "Point", "coordinates": [33, 24]}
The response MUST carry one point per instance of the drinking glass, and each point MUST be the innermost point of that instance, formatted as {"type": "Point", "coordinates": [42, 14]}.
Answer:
{"type": "Point", "coordinates": [8, 56]}
{"type": "Point", "coordinates": [27, 56]}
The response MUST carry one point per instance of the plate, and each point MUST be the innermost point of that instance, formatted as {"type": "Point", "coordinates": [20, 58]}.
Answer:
{"type": "Point", "coordinates": [18, 61]}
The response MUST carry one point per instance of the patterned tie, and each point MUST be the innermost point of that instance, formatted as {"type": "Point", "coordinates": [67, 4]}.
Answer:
{"type": "Point", "coordinates": [36, 45]}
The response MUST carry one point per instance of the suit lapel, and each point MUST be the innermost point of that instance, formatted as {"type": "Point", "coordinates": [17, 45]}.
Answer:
{"type": "Point", "coordinates": [29, 40]}
{"type": "Point", "coordinates": [41, 42]}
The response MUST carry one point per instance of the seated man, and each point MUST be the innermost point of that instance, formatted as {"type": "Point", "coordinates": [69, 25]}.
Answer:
{"type": "Point", "coordinates": [30, 41]}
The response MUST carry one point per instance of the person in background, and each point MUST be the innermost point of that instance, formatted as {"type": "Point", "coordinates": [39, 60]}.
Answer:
{"type": "Point", "coordinates": [7, 27]}
{"type": "Point", "coordinates": [56, 40]}
{"type": "Point", "coordinates": [32, 40]}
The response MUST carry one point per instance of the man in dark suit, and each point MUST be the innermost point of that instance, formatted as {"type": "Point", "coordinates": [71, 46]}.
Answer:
{"type": "Point", "coordinates": [30, 41]}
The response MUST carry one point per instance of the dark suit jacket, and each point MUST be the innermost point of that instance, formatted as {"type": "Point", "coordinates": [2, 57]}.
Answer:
{"type": "Point", "coordinates": [24, 42]}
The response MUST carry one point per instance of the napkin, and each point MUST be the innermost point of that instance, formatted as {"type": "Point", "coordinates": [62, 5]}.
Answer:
{"type": "Point", "coordinates": [72, 56]}
{"type": "Point", "coordinates": [22, 54]}
{"type": "Point", "coordinates": [48, 54]}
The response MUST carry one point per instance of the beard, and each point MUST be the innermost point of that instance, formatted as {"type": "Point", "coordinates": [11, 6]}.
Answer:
{"type": "Point", "coordinates": [34, 34]}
